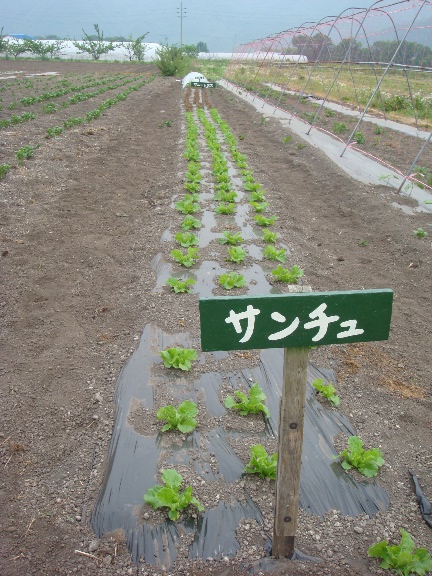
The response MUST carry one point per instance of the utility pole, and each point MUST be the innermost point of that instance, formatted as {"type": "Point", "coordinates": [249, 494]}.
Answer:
{"type": "Point", "coordinates": [181, 15]}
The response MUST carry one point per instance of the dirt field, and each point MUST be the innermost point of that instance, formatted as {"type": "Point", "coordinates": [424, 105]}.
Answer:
{"type": "Point", "coordinates": [81, 224]}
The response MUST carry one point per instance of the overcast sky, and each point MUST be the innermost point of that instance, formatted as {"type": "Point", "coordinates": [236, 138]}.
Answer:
{"type": "Point", "coordinates": [222, 25]}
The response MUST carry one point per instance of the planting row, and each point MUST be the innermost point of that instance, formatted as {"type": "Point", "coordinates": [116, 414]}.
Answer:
{"type": "Point", "coordinates": [28, 151]}
{"type": "Point", "coordinates": [183, 417]}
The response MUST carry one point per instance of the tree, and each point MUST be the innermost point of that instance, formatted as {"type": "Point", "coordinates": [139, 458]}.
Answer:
{"type": "Point", "coordinates": [95, 47]}
{"type": "Point", "coordinates": [190, 50]}
{"type": "Point", "coordinates": [202, 47]}
{"type": "Point", "coordinates": [171, 60]}
{"type": "Point", "coordinates": [43, 48]}
{"type": "Point", "coordinates": [15, 48]}
{"type": "Point", "coordinates": [3, 42]}
{"type": "Point", "coordinates": [135, 48]}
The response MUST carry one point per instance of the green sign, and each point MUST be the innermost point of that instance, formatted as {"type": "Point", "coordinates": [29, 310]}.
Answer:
{"type": "Point", "coordinates": [203, 84]}
{"type": "Point", "coordinates": [295, 320]}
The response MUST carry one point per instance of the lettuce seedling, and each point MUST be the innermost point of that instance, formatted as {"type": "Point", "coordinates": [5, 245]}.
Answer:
{"type": "Point", "coordinates": [367, 462]}
{"type": "Point", "coordinates": [169, 495]}
{"type": "Point", "coordinates": [232, 280]}
{"type": "Point", "coordinates": [193, 176]}
{"type": "Point", "coordinates": [193, 167]}
{"type": "Point", "coordinates": [182, 419]}
{"type": "Point", "coordinates": [263, 221]}
{"type": "Point", "coordinates": [236, 254]}
{"type": "Point", "coordinates": [222, 176]}
{"type": "Point", "coordinates": [224, 187]}
{"type": "Point", "coordinates": [258, 206]}
{"type": "Point", "coordinates": [420, 233]}
{"type": "Point", "coordinates": [187, 205]}
{"type": "Point", "coordinates": [186, 239]}
{"type": "Point", "coordinates": [180, 358]}
{"type": "Point", "coordinates": [327, 390]}
{"type": "Point", "coordinates": [251, 186]}
{"type": "Point", "coordinates": [225, 208]}
{"type": "Point", "coordinates": [282, 274]}
{"type": "Point", "coordinates": [248, 404]}
{"type": "Point", "coordinates": [179, 285]}
{"type": "Point", "coordinates": [187, 259]}
{"type": "Point", "coordinates": [270, 237]}
{"type": "Point", "coordinates": [402, 558]}
{"type": "Point", "coordinates": [273, 253]}
{"type": "Point", "coordinates": [261, 463]}
{"type": "Point", "coordinates": [258, 196]}
{"type": "Point", "coordinates": [223, 196]}
{"type": "Point", "coordinates": [190, 222]}
{"type": "Point", "coordinates": [192, 154]}
{"type": "Point", "coordinates": [192, 186]}
{"type": "Point", "coordinates": [232, 239]}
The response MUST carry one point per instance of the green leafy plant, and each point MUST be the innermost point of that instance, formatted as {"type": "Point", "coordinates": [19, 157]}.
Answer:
{"type": "Point", "coordinates": [54, 131]}
{"type": "Point", "coordinates": [179, 285]}
{"type": "Point", "coordinates": [259, 206]}
{"type": "Point", "coordinates": [232, 280]}
{"type": "Point", "coordinates": [257, 196]}
{"type": "Point", "coordinates": [180, 358]}
{"type": "Point", "coordinates": [49, 108]}
{"type": "Point", "coordinates": [224, 196]}
{"type": "Point", "coordinates": [187, 205]}
{"type": "Point", "coordinates": [340, 128]}
{"type": "Point", "coordinates": [282, 274]}
{"type": "Point", "coordinates": [309, 116]}
{"type": "Point", "coordinates": [273, 253]}
{"type": "Point", "coordinates": [263, 221]}
{"type": "Point", "coordinates": [248, 403]}
{"type": "Point", "coordinates": [236, 254]}
{"type": "Point", "coordinates": [189, 223]}
{"type": "Point", "coordinates": [186, 239]}
{"type": "Point", "coordinates": [402, 558]}
{"type": "Point", "coordinates": [286, 139]}
{"type": "Point", "coordinates": [167, 123]}
{"type": "Point", "coordinates": [378, 130]}
{"type": "Point", "coordinates": [261, 463]}
{"type": "Point", "coordinates": [359, 138]}
{"type": "Point", "coordinates": [329, 112]}
{"type": "Point", "coordinates": [251, 186]}
{"type": "Point", "coordinates": [192, 186]}
{"type": "Point", "coordinates": [367, 462]}
{"type": "Point", "coordinates": [327, 390]}
{"type": "Point", "coordinates": [225, 208]}
{"type": "Point", "coordinates": [187, 259]}
{"type": "Point", "coordinates": [386, 177]}
{"type": "Point", "coordinates": [4, 169]}
{"type": "Point", "coordinates": [300, 146]}
{"type": "Point", "coordinates": [25, 153]}
{"type": "Point", "coordinates": [229, 238]}
{"type": "Point", "coordinates": [420, 233]}
{"type": "Point", "coordinates": [169, 495]}
{"type": "Point", "coordinates": [363, 243]}
{"type": "Point", "coordinates": [182, 419]}
{"type": "Point", "coordinates": [270, 237]}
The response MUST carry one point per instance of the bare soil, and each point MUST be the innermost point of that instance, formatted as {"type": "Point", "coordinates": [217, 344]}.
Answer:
{"type": "Point", "coordinates": [81, 223]}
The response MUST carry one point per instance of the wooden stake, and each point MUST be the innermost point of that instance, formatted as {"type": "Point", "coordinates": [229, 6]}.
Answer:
{"type": "Point", "coordinates": [290, 444]}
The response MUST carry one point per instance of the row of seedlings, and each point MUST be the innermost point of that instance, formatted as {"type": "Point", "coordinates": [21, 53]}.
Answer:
{"type": "Point", "coordinates": [367, 462]}
{"type": "Point", "coordinates": [183, 418]}
{"type": "Point", "coordinates": [51, 108]}
{"type": "Point", "coordinates": [28, 151]}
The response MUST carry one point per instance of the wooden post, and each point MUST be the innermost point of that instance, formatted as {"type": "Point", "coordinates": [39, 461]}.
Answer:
{"type": "Point", "coordinates": [290, 443]}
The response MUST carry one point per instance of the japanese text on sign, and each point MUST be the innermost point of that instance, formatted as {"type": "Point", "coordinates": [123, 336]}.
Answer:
{"type": "Point", "coordinates": [294, 320]}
